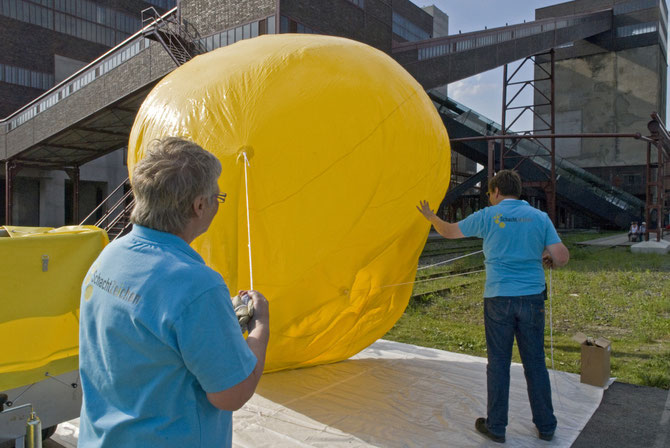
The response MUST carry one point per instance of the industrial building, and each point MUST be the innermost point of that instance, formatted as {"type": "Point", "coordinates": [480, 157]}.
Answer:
{"type": "Point", "coordinates": [610, 65]}
{"type": "Point", "coordinates": [44, 43]}
{"type": "Point", "coordinates": [611, 82]}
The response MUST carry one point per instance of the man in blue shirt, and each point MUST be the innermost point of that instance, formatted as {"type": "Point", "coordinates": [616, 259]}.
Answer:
{"type": "Point", "coordinates": [162, 359]}
{"type": "Point", "coordinates": [518, 239]}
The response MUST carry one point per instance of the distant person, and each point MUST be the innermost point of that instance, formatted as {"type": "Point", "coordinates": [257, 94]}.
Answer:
{"type": "Point", "coordinates": [633, 232]}
{"type": "Point", "coordinates": [518, 240]}
{"type": "Point", "coordinates": [162, 359]}
{"type": "Point", "coordinates": [642, 232]}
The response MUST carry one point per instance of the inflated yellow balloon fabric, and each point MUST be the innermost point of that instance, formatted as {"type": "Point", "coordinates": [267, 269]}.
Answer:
{"type": "Point", "coordinates": [342, 145]}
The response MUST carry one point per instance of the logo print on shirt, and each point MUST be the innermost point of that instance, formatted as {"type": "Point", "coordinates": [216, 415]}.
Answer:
{"type": "Point", "coordinates": [501, 220]}
{"type": "Point", "coordinates": [111, 286]}
{"type": "Point", "coordinates": [88, 292]}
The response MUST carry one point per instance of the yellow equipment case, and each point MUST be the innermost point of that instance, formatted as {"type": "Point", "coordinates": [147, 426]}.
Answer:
{"type": "Point", "coordinates": [41, 272]}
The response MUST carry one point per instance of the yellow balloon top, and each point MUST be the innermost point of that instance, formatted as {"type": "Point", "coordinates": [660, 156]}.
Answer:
{"type": "Point", "coordinates": [342, 144]}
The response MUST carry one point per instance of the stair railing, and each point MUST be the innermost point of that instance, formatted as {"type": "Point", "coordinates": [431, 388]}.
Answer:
{"type": "Point", "coordinates": [180, 40]}
{"type": "Point", "coordinates": [103, 203]}
{"type": "Point", "coordinates": [119, 212]}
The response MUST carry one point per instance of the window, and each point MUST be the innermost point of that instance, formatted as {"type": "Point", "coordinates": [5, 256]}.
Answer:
{"type": "Point", "coordinates": [359, 3]}
{"type": "Point", "coordinates": [80, 18]}
{"type": "Point", "coordinates": [637, 29]}
{"type": "Point", "coordinates": [245, 31]}
{"type": "Point", "coordinates": [26, 77]}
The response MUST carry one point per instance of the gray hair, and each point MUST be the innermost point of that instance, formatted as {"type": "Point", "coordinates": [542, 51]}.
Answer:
{"type": "Point", "coordinates": [167, 180]}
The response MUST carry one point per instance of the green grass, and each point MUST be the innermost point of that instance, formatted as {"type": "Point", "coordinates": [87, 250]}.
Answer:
{"type": "Point", "coordinates": [607, 292]}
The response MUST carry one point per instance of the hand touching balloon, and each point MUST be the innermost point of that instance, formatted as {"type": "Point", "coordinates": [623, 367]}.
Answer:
{"type": "Point", "coordinates": [424, 209]}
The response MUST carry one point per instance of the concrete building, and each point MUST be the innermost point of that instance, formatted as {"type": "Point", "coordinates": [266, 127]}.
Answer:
{"type": "Point", "coordinates": [90, 114]}
{"type": "Point", "coordinates": [440, 21]}
{"type": "Point", "coordinates": [611, 83]}
{"type": "Point", "coordinates": [41, 194]}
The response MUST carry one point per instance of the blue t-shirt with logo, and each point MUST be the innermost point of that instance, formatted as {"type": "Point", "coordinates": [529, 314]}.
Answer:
{"type": "Point", "coordinates": [515, 235]}
{"type": "Point", "coordinates": [157, 332]}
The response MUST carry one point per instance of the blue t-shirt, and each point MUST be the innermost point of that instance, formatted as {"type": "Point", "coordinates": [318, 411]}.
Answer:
{"type": "Point", "coordinates": [157, 331]}
{"type": "Point", "coordinates": [515, 235]}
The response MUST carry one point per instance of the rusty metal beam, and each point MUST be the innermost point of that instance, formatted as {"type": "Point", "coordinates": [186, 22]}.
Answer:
{"type": "Point", "coordinates": [517, 110]}
{"type": "Point", "coordinates": [11, 168]}
{"type": "Point", "coordinates": [636, 136]}
{"type": "Point", "coordinates": [8, 193]}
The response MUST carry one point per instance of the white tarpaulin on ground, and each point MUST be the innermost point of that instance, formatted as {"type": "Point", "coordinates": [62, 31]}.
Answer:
{"type": "Point", "coordinates": [397, 395]}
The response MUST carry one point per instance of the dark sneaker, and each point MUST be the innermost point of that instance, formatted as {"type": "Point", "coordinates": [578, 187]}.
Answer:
{"type": "Point", "coordinates": [546, 436]}
{"type": "Point", "coordinates": [480, 424]}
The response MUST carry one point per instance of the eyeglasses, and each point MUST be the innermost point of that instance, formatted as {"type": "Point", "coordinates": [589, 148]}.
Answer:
{"type": "Point", "coordinates": [221, 197]}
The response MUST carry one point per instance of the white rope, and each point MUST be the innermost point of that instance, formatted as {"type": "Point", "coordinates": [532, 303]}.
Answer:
{"type": "Point", "coordinates": [449, 260]}
{"type": "Point", "coordinates": [551, 338]}
{"type": "Point", "coordinates": [246, 191]}
{"type": "Point", "coordinates": [551, 322]}
{"type": "Point", "coordinates": [432, 279]}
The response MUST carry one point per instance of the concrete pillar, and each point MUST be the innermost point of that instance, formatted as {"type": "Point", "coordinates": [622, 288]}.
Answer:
{"type": "Point", "coordinates": [52, 199]}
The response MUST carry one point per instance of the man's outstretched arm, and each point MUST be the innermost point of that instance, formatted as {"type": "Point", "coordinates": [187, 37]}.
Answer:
{"type": "Point", "coordinates": [446, 229]}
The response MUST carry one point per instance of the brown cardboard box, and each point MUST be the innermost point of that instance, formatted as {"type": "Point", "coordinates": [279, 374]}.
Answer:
{"type": "Point", "coordinates": [595, 359]}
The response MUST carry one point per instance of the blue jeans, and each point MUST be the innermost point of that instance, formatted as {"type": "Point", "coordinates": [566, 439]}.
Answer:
{"type": "Point", "coordinates": [523, 317]}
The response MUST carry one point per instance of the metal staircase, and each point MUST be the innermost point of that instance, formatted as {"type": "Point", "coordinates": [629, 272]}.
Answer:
{"type": "Point", "coordinates": [180, 39]}
{"type": "Point", "coordinates": [116, 218]}
{"type": "Point", "coordinates": [575, 186]}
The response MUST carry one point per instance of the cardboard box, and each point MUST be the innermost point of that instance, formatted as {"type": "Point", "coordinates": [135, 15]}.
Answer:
{"type": "Point", "coordinates": [595, 359]}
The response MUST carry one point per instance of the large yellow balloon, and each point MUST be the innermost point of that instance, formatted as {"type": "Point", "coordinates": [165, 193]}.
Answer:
{"type": "Point", "coordinates": [342, 145]}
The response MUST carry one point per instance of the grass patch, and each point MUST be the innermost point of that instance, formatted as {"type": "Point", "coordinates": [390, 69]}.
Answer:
{"type": "Point", "coordinates": [608, 292]}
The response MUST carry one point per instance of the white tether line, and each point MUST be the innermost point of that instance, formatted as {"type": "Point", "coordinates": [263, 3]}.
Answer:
{"type": "Point", "coordinates": [246, 191]}
{"type": "Point", "coordinates": [449, 260]}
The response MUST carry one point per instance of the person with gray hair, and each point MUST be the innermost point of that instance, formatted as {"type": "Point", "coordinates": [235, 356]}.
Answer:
{"type": "Point", "coordinates": [162, 360]}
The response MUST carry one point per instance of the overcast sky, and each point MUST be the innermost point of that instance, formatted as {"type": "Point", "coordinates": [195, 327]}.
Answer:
{"type": "Point", "coordinates": [483, 92]}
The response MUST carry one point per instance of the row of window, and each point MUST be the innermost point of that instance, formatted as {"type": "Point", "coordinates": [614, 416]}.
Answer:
{"type": "Point", "coordinates": [111, 61]}
{"type": "Point", "coordinates": [408, 30]}
{"type": "Point", "coordinates": [492, 39]}
{"type": "Point", "coordinates": [24, 77]}
{"type": "Point", "coordinates": [79, 18]}
{"type": "Point", "coordinates": [253, 29]}
{"type": "Point", "coordinates": [636, 29]}
{"type": "Point", "coordinates": [249, 30]}
{"type": "Point", "coordinates": [101, 15]}
{"type": "Point", "coordinates": [87, 30]}
{"type": "Point", "coordinates": [637, 5]}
